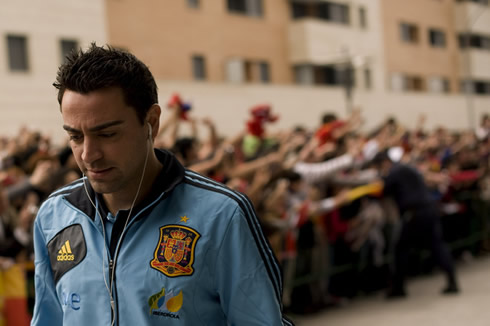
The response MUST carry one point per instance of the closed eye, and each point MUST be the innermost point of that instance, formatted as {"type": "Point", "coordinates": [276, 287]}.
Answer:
{"type": "Point", "coordinates": [107, 134]}
{"type": "Point", "coordinates": [76, 137]}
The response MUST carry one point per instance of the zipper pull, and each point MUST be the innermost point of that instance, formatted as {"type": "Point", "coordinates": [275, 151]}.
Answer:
{"type": "Point", "coordinates": [111, 281]}
{"type": "Point", "coordinates": [111, 269]}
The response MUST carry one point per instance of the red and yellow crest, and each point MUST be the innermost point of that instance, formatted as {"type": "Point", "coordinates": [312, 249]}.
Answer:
{"type": "Point", "coordinates": [174, 254]}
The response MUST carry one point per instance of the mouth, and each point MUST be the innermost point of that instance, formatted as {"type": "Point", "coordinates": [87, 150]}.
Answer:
{"type": "Point", "coordinates": [98, 173]}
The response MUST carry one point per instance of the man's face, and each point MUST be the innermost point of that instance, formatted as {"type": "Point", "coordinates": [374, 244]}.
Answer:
{"type": "Point", "coordinates": [109, 143]}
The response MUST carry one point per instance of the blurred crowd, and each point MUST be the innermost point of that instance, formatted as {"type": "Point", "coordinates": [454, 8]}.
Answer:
{"type": "Point", "coordinates": [315, 190]}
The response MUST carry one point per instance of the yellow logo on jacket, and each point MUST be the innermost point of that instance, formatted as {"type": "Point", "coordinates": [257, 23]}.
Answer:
{"type": "Point", "coordinates": [166, 304]}
{"type": "Point", "coordinates": [174, 254]}
{"type": "Point", "coordinates": [65, 253]}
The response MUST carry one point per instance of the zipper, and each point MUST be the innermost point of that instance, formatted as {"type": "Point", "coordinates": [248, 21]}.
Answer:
{"type": "Point", "coordinates": [111, 281]}
{"type": "Point", "coordinates": [111, 267]}
{"type": "Point", "coordinates": [114, 305]}
{"type": "Point", "coordinates": [115, 309]}
{"type": "Point", "coordinates": [116, 253]}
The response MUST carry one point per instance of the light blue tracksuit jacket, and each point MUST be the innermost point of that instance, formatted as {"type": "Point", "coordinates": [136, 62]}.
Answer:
{"type": "Point", "coordinates": [193, 253]}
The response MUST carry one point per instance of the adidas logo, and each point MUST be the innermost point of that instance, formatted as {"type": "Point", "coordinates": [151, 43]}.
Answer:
{"type": "Point", "coordinates": [65, 253]}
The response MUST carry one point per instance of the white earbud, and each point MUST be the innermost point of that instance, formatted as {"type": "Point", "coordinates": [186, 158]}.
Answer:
{"type": "Point", "coordinates": [150, 132]}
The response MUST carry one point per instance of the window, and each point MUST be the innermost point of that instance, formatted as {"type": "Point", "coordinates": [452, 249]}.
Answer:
{"type": "Point", "coordinates": [474, 41]}
{"type": "Point", "coordinates": [414, 83]}
{"type": "Point", "coordinates": [479, 41]}
{"type": "Point", "coordinates": [333, 12]}
{"type": "Point", "coordinates": [402, 82]}
{"type": "Point", "coordinates": [482, 2]}
{"type": "Point", "coordinates": [249, 70]}
{"type": "Point", "coordinates": [480, 87]}
{"type": "Point", "coordinates": [67, 46]}
{"type": "Point", "coordinates": [333, 75]}
{"type": "Point", "coordinates": [237, 6]}
{"type": "Point", "coordinates": [303, 75]}
{"type": "Point", "coordinates": [239, 70]}
{"type": "Point", "coordinates": [339, 13]}
{"type": "Point", "coordinates": [437, 38]}
{"type": "Point", "coordinates": [264, 74]}
{"type": "Point", "coordinates": [198, 67]}
{"type": "Point", "coordinates": [193, 3]}
{"type": "Point", "coordinates": [234, 70]}
{"type": "Point", "coordinates": [299, 10]}
{"type": "Point", "coordinates": [246, 7]}
{"type": "Point", "coordinates": [328, 75]}
{"type": "Point", "coordinates": [466, 86]}
{"type": "Point", "coordinates": [362, 18]}
{"type": "Point", "coordinates": [409, 33]}
{"type": "Point", "coordinates": [397, 82]}
{"type": "Point", "coordinates": [368, 84]}
{"type": "Point", "coordinates": [17, 53]}
{"type": "Point", "coordinates": [438, 85]}
{"type": "Point", "coordinates": [329, 11]}
{"type": "Point", "coordinates": [463, 40]}
{"type": "Point", "coordinates": [446, 85]}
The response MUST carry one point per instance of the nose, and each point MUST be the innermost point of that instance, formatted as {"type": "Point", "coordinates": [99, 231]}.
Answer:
{"type": "Point", "coordinates": [91, 151]}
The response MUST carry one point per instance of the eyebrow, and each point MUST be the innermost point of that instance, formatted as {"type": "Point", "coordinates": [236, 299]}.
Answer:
{"type": "Point", "coordinates": [96, 128]}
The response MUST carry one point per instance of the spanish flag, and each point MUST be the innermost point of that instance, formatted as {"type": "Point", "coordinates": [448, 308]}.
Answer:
{"type": "Point", "coordinates": [13, 297]}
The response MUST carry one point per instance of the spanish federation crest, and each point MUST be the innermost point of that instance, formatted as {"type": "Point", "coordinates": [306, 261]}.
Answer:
{"type": "Point", "coordinates": [174, 254]}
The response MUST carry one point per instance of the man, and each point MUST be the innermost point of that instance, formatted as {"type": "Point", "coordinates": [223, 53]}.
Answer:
{"type": "Point", "coordinates": [139, 240]}
{"type": "Point", "coordinates": [421, 226]}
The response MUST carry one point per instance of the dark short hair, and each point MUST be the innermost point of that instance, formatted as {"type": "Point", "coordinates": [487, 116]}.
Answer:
{"type": "Point", "coordinates": [328, 117]}
{"type": "Point", "coordinates": [380, 158]}
{"type": "Point", "coordinates": [102, 67]}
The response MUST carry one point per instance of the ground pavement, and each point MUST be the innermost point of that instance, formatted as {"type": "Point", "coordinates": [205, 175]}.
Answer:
{"type": "Point", "coordinates": [423, 307]}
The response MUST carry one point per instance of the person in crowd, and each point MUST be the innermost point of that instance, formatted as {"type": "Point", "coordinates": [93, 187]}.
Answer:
{"type": "Point", "coordinates": [420, 218]}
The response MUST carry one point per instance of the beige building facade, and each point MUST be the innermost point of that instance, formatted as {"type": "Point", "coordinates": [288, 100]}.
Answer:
{"type": "Point", "coordinates": [34, 36]}
{"type": "Point", "coordinates": [421, 50]}
{"type": "Point", "coordinates": [404, 57]}
{"type": "Point", "coordinates": [205, 40]}
{"type": "Point", "coordinates": [398, 58]}
{"type": "Point", "coordinates": [439, 47]}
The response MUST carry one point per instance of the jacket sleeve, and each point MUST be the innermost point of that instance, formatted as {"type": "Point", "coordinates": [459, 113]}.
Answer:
{"type": "Point", "coordinates": [47, 308]}
{"type": "Point", "coordinates": [248, 277]}
{"type": "Point", "coordinates": [314, 172]}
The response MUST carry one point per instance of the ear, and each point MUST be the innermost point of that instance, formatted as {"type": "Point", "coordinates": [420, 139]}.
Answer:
{"type": "Point", "coordinates": [153, 118]}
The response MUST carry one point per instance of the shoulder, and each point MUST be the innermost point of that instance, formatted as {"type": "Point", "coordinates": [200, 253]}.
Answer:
{"type": "Point", "coordinates": [212, 190]}
{"type": "Point", "coordinates": [54, 200]}
{"type": "Point", "coordinates": [67, 189]}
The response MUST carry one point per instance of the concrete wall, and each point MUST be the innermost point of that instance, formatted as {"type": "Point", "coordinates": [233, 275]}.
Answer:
{"type": "Point", "coordinates": [228, 105]}
{"type": "Point", "coordinates": [28, 98]}
{"type": "Point", "coordinates": [478, 63]}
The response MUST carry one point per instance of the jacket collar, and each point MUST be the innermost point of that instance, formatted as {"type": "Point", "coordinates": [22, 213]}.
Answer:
{"type": "Point", "coordinates": [170, 176]}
